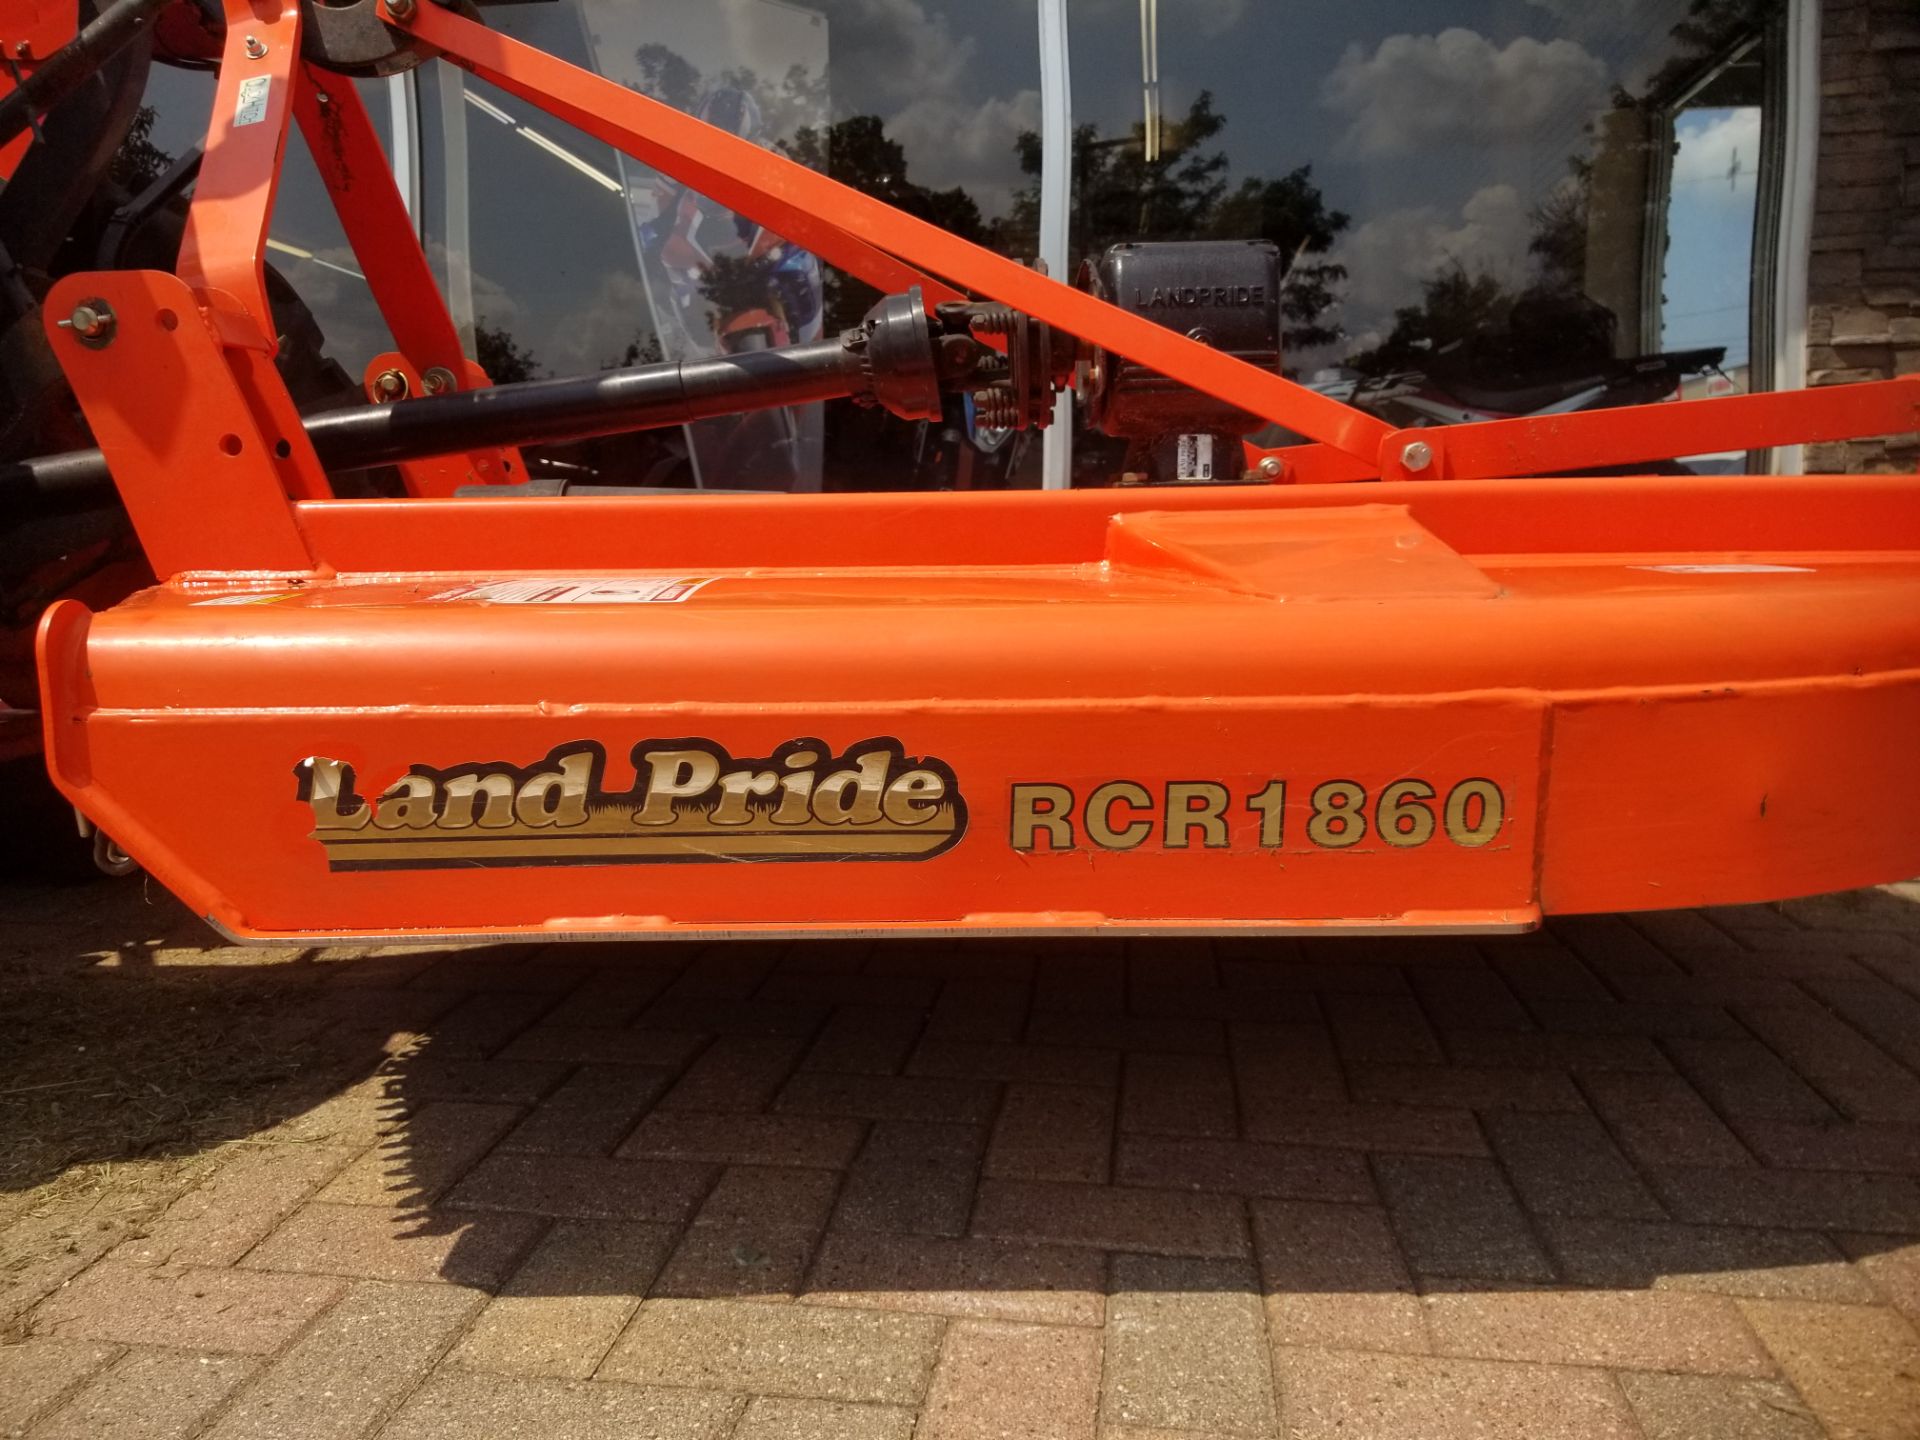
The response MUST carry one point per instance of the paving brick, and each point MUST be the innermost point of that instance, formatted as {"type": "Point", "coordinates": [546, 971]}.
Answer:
{"type": "Point", "coordinates": [1411, 1129]}
{"type": "Point", "coordinates": [771, 1419]}
{"type": "Point", "coordinates": [1743, 1077]}
{"type": "Point", "coordinates": [913, 1179]}
{"type": "Point", "coordinates": [1154, 1222]}
{"type": "Point", "coordinates": [731, 971]}
{"type": "Point", "coordinates": [1612, 948]}
{"type": "Point", "coordinates": [752, 1260]}
{"type": "Point", "coordinates": [1456, 1217]}
{"type": "Point", "coordinates": [1381, 1030]}
{"type": "Point", "coordinates": [459, 1405]}
{"type": "Point", "coordinates": [417, 1165]}
{"type": "Point", "coordinates": [852, 987]}
{"type": "Point", "coordinates": [810, 1352]}
{"type": "Point", "coordinates": [254, 1190]}
{"type": "Point", "coordinates": [752, 1194]}
{"type": "Point", "coordinates": [190, 1308]}
{"type": "Point", "coordinates": [1160, 1034]}
{"type": "Point", "coordinates": [1053, 1132]}
{"type": "Point", "coordinates": [1030, 1064]}
{"type": "Point", "coordinates": [1620, 1329]}
{"type": "Point", "coordinates": [346, 1373]}
{"type": "Point", "coordinates": [979, 1279]}
{"type": "Point", "coordinates": [483, 1024]}
{"type": "Point", "coordinates": [1662, 1018]}
{"type": "Point", "coordinates": [1056, 1395]}
{"type": "Point", "coordinates": [867, 1039]}
{"type": "Point", "coordinates": [35, 1374]}
{"type": "Point", "coordinates": [1276, 1066]}
{"type": "Point", "coordinates": [1178, 1095]}
{"type": "Point", "coordinates": [351, 1118]}
{"type": "Point", "coordinates": [584, 1187]}
{"type": "Point", "coordinates": [1337, 1395]}
{"type": "Point", "coordinates": [1544, 972]}
{"type": "Point", "coordinates": [1238, 1167]}
{"type": "Point", "coordinates": [1893, 1269]}
{"type": "Point", "coordinates": [1860, 1078]}
{"type": "Point", "coordinates": [1332, 977]}
{"type": "Point", "coordinates": [371, 1244]}
{"type": "Point", "coordinates": [1466, 1087]}
{"type": "Point", "coordinates": [610, 1000]}
{"type": "Point", "coordinates": [1334, 1277]}
{"type": "Point", "coordinates": [923, 1098]}
{"type": "Point", "coordinates": [513, 970]}
{"type": "Point", "coordinates": [1706, 1407]}
{"type": "Point", "coordinates": [737, 1073]}
{"type": "Point", "coordinates": [1542, 1050]}
{"type": "Point", "coordinates": [806, 1140]}
{"type": "Point", "coordinates": [563, 1309]}
{"type": "Point", "coordinates": [1568, 1165]}
{"type": "Point", "coordinates": [419, 1078]}
{"type": "Point", "coordinates": [1726, 1260]}
{"type": "Point", "coordinates": [980, 1009]}
{"type": "Point", "coordinates": [1848, 1145]}
{"type": "Point", "coordinates": [1469, 1000]}
{"type": "Point", "coordinates": [591, 1113]}
{"type": "Point", "coordinates": [1087, 984]}
{"type": "Point", "coordinates": [1856, 1366]}
{"type": "Point", "coordinates": [1661, 1120]}
{"type": "Point", "coordinates": [1186, 1347]}
{"type": "Point", "coordinates": [721, 1016]}
{"type": "Point", "coordinates": [601, 1045]}
{"type": "Point", "coordinates": [149, 1395]}
{"type": "Point", "coordinates": [958, 959]}
{"type": "Point", "coordinates": [1791, 1199]}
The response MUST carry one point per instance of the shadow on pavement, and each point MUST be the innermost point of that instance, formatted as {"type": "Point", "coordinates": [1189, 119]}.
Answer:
{"type": "Point", "coordinates": [1719, 1101]}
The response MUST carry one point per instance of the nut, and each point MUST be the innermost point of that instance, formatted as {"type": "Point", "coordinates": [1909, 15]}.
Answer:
{"type": "Point", "coordinates": [92, 323]}
{"type": "Point", "coordinates": [400, 9]}
{"type": "Point", "coordinates": [390, 385]}
{"type": "Point", "coordinates": [439, 381]}
{"type": "Point", "coordinates": [1417, 456]}
{"type": "Point", "coordinates": [256, 48]}
{"type": "Point", "coordinates": [1272, 468]}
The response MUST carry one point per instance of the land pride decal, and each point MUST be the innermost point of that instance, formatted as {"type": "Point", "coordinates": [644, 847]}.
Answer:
{"type": "Point", "coordinates": [691, 801]}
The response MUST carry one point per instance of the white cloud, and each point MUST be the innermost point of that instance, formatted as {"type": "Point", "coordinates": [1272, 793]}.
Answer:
{"type": "Point", "coordinates": [1390, 257]}
{"type": "Point", "coordinates": [1723, 153]}
{"type": "Point", "coordinates": [1424, 92]}
{"type": "Point", "coordinates": [952, 142]}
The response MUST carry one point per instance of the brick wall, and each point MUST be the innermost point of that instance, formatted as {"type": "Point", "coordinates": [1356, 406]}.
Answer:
{"type": "Point", "coordinates": [1864, 285]}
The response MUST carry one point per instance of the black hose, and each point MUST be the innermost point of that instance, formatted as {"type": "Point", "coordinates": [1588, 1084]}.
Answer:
{"type": "Point", "coordinates": [646, 397]}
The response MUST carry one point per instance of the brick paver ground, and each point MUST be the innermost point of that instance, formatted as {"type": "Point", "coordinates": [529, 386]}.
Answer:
{"type": "Point", "coordinates": [1655, 1178]}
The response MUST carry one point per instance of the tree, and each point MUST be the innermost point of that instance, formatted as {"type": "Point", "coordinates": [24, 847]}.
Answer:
{"type": "Point", "coordinates": [501, 356]}
{"type": "Point", "coordinates": [858, 152]}
{"type": "Point", "coordinates": [1119, 195]}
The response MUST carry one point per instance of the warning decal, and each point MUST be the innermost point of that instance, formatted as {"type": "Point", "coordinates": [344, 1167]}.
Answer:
{"type": "Point", "coordinates": [603, 591]}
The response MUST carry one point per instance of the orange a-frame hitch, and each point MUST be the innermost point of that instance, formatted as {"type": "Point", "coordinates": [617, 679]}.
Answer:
{"type": "Point", "coordinates": [1448, 699]}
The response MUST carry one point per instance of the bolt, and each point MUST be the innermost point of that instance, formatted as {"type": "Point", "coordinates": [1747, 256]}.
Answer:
{"type": "Point", "coordinates": [92, 323]}
{"type": "Point", "coordinates": [439, 381]}
{"type": "Point", "coordinates": [1417, 456]}
{"type": "Point", "coordinates": [1272, 467]}
{"type": "Point", "coordinates": [400, 9]}
{"type": "Point", "coordinates": [256, 48]}
{"type": "Point", "coordinates": [390, 385]}
{"type": "Point", "coordinates": [23, 49]}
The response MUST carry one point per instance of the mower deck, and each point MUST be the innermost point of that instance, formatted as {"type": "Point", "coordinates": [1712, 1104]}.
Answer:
{"type": "Point", "coordinates": [1449, 706]}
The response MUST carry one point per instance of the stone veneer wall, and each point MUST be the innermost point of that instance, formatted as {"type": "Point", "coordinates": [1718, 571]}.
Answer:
{"type": "Point", "coordinates": [1864, 285]}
